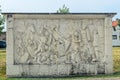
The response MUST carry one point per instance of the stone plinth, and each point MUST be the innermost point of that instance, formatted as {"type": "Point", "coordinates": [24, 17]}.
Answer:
{"type": "Point", "coordinates": [40, 45]}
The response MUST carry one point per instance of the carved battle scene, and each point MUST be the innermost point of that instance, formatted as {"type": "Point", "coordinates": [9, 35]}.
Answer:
{"type": "Point", "coordinates": [41, 41]}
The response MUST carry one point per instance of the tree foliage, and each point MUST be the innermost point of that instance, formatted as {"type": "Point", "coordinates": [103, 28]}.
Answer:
{"type": "Point", "coordinates": [2, 20]}
{"type": "Point", "coordinates": [64, 9]}
{"type": "Point", "coordinates": [118, 21]}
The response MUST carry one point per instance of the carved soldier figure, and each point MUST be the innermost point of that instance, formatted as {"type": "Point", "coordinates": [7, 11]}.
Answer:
{"type": "Point", "coordinates": [88, 39]}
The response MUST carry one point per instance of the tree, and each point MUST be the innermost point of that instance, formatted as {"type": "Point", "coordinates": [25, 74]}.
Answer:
{"type": "Point", "coordinates": [64, 9]}
{"type": "Point", "coordinates": [2, 20]}
{"type": "Point", "coordinates": [118, 21]}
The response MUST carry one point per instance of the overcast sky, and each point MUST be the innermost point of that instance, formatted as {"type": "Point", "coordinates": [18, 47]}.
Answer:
{"type": "Point", "coordinates": [51, 6]}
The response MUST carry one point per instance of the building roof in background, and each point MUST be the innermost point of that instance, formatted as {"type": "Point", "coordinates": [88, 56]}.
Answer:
{"type": "Point", "coordinates": [114, 23]}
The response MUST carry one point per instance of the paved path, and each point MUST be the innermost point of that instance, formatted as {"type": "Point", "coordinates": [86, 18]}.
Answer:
{"type": "Point", "coordinates": [115, 78]}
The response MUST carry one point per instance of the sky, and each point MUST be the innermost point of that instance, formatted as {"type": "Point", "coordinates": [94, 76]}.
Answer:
{"type": "Point", "coordinates": [51, 6]}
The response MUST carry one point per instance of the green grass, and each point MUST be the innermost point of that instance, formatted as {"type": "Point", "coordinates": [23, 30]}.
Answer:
{"type": "Point", "coordinates": [3, 69]}
{"type": "Point", "coordinates": [2, 63]}
{"type": "Point", "coordinates": [116, 59]}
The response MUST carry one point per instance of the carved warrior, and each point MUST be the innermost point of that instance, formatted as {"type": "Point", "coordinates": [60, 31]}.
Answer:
{"type": "Point", "coordinates": [45, 42]}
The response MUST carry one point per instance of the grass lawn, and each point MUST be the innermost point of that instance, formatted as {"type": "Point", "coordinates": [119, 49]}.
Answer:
{"type": "Point", "coordinates": [116, 56]}
{"type": "Point", "coordinates": [116, 59]}
{"type": "Point", "coordinates": [2, 63]}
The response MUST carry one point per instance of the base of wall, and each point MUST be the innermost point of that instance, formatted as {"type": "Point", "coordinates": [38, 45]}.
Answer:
{"type": "Point", "coordinates": [63, 70]}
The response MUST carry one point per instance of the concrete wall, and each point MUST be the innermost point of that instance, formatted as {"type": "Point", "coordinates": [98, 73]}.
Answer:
{"type": "Point", "coordinates": [59, 44]}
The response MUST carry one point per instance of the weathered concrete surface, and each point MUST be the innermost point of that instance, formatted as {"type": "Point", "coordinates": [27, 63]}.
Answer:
{"type": "Point", "coordinates": [59, 45]}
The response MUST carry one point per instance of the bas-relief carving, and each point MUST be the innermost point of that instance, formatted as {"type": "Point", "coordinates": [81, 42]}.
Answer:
{"type": "Point", "coordinates": [57, 41]}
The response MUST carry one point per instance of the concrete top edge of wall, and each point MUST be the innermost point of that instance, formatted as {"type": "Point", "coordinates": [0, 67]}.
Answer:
{"type": "Point", "coordinates": [60, 13]}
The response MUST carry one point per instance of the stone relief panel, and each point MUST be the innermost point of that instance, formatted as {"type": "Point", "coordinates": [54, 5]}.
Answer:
{"type": "Point", "coordinates": [58, 41]}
